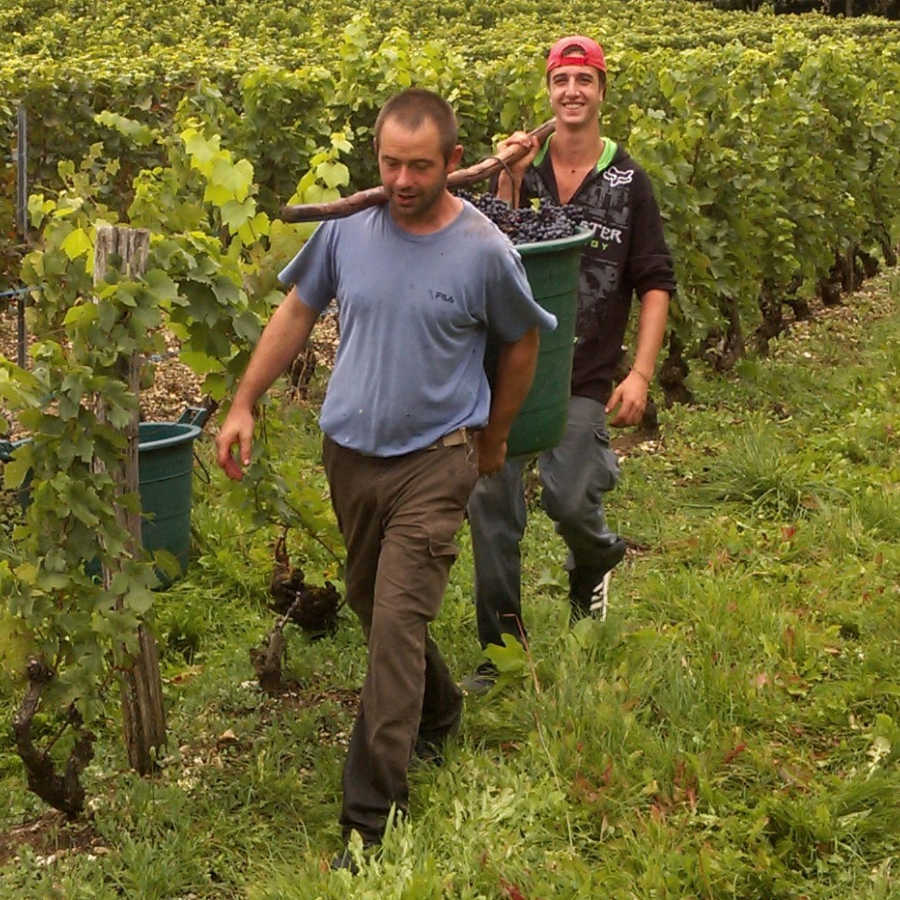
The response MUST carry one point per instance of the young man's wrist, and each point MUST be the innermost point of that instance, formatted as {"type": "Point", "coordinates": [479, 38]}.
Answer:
{"type": "Point", "coordinates": [647, 378]}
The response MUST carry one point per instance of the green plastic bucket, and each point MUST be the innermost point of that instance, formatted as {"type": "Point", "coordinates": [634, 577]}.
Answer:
{"type": "Point", "coordinates": [553, 270]}
{"type": "Point", "coordinates": [165, 463]}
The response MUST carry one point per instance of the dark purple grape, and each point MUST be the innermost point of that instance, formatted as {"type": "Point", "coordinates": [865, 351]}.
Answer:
{"type": "Point", "coordinates": [527, 225]}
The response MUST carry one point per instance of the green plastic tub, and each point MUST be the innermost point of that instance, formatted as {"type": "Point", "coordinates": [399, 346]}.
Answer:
{"type": "Point", "coordinates": [165, 465]}
{"type": "Point", "coordinates": [553, 270]}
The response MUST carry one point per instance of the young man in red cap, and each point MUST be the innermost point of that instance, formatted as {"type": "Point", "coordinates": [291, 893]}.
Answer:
{"type": "Point", "coordinates": [628, 255]}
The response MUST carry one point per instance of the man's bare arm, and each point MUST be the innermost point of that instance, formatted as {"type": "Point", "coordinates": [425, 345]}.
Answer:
{"type": "Point", "coordinates": [632, 391]}
{"type": "Point", "coordinates": [283, 338]}
{"type": "Point", "coordinates": [516, 365]}
{"type": "Point", "coordinates": [509, 189]}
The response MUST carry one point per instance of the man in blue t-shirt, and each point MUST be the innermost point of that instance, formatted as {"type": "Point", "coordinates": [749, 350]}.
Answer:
{"type": "Point", "coordinates": [408, 419]}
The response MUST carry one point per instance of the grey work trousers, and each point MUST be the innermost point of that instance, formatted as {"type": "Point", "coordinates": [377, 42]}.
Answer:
{"type": "Point", "coordinates": [398, 516]}
{"type": "Point", "coordinates": [574, 476]}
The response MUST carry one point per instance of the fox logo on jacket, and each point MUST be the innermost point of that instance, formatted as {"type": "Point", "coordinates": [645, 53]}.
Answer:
{"type": "Point", "coordinates": [616, 176]}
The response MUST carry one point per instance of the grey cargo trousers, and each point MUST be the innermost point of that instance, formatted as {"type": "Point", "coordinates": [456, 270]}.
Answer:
{"type": "Point", "coordinates": [574, 476]}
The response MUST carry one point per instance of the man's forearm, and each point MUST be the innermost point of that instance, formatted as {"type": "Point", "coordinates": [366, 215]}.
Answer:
{"type": "Point", "coordinates": [283, 338]}
{"type": "Point", "coordinates": [509, 183]}
{"type": "Point", "coordinates": [516, 365]}
{"type": "Point", "coordinates": [651, 332]}
{"type": "Point", "coordinates": [509, 190]}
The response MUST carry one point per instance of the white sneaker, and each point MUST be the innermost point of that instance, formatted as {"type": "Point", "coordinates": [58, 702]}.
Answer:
{"type": "Point", "coordinates": [600, 598]}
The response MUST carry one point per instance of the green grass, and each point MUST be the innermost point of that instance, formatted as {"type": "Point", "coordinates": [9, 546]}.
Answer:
{"type": "Point", "coordinates": [732, 730]}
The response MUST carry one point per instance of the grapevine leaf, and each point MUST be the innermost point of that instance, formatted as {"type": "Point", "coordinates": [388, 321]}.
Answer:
{"type": "Point", "coordinates": [233, 179]}
{"type": "Point", "coordinates": [333, 173]}
{"type": "Point", "coordinates": [235, 214]}
{"type": "Point", "coordinates": [141, 134]}
{"type": "Point", "coordinates": [164, 289]}
{"type": "Point", "coordinates": [226, 291]}
{"type": "Point", "coordinates": [510, 658]}
{"type": "Point", "coordinates": [144, 319]}
{"type": "Point", "coordinates": [79, 508]}
{"type": "Point", "coordinates": [77, 243]}
{"type": "Point", "coordinates": [246, 326]}
{"type": "Point", "coordinates": [52, 581]}
{"type": "Point", "coordinates": [201, 150]}
{"type": "Point", "coordinates": [27, 573]}
{"type": "Point", "coordinates": [260, 224]}
{"type": "Point", "coordinates": [256, 228]}
{"type": "Point", "coordinates": [38, 208]}
{"type": "Point", "coordinates": [138, 599]}
{"type": "Point", "coordinates": [215, 385]}
{"type": "Point", "coordinates": [16, 470]}
{"type": "Point", "coordinates": [167, 563]}
{"type": "Point", "coordinates": [200, 362]}
{"type": "Point", "coordinates": [119, 416]}
{"type": "Point", "coordinates": [315, 193]}
{"type": "Point", "coordinates": [81, 315]}
{"type": "Point", "coordinates": [217, 194]}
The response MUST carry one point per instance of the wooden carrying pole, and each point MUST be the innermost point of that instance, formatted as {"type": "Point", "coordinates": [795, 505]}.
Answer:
{"type": "Point", "coordinates": [346, 206]}
{"type": "Point", "coordinates": [143, 715]}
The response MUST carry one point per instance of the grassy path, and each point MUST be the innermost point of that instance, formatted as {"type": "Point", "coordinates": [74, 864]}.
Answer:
{"type": "Point", "coordinates": [732, 730]}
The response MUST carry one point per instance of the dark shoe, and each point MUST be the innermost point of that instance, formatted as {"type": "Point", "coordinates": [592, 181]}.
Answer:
{"type": "Point", "coordinates": [481, 680]}
{"type": "Point", "coordinates": [589, 587]}
{"type": "Point", "coordinates": [611, 555]}
{"type": "Point", "coordinates": [346, 860]}
{"type": "Point", "coordinates": [429, 752]}
{"type": "Point", "coordinates": [429, 746]}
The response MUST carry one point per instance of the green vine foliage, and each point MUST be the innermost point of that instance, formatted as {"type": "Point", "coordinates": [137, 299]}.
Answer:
{"type": "Point", "coordinates": [271, 494]}
{"type": "Point", "coordinates": [71, 620]}
{"type": "Point", "coordinates": [206, 280]}
{"type": "Point", "coordinates": [771, 155]}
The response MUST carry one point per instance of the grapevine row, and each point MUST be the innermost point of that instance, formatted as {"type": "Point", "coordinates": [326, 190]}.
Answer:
{"type": "Point", "coordinates": [772, 162]}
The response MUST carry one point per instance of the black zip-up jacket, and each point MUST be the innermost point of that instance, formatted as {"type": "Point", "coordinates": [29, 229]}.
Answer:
{"type": "Point", "coordinates": [628, 254]}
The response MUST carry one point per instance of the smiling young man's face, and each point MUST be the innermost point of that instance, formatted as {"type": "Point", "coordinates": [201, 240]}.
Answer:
{"type": "Point", "coordinates": [575, 94]}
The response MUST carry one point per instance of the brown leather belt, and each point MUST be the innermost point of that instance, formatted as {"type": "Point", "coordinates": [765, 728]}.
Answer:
{"type": "Point", "coordinates": [453, 439]}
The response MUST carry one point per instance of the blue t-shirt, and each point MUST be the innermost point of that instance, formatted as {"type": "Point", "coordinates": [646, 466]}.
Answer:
{"type": "Point", "coordinates": [414, 313]}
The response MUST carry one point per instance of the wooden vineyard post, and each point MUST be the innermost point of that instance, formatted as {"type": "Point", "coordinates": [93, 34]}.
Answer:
{"type": "Point", "coordinates": [21, 219]}
{"type": "Point", "coordinates": [140, 682]}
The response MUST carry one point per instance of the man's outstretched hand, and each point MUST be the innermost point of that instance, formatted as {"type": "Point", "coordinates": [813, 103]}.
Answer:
{"type": "Point", "coordinates": [237, 429]}
{"type": "Point", "coordinates": [630, 396]}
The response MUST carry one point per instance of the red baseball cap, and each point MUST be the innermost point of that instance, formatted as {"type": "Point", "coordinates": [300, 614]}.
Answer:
{"type": "Point", "coordinates": [582, 52]}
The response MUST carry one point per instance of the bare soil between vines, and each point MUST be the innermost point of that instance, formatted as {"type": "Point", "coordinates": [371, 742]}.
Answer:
{"type": "Point", "coordinates": [50, 837]}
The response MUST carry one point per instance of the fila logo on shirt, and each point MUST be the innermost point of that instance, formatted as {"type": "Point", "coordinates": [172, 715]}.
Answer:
{"type": "Point", "coordinates": [617, 177]}
{"type": "Point", "coordinates": [440, 295]}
